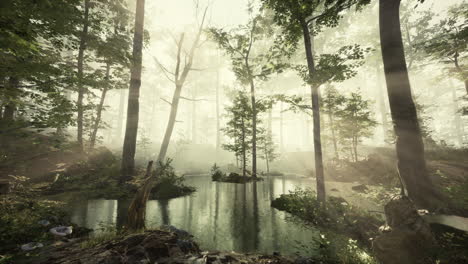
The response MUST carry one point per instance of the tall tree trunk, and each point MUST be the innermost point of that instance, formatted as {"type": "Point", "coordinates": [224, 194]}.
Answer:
{"type": "Point", "coordinates": [218, 126]}
{"type": "Point", "coordinates": [170, 123]}
{"type": "Point", "coordinates": [194, 117]}
{"type": "Point", "coordinates": [266, 157]}
{"type": "Point", "coordinates": [254, 122]}
{"type": "Point", "coordinates": [409, 144]}
{"type": "Point", "coordinates": [319, 174]}
{"type": "Point", "coordinates": [10, 107]}
{"type": "Point", "coordinates": [131, 131]}
{"type": "Point", "coordinates": [457, 66]}
{"type": "Point", "coordinates": [281, 128]}
{"type": "Point", "coordinates": [332, 127]}
{"type": "Point", "coordinates": [81, 90]}
{"type": "Point", "coordinates": [244, 154]}
{"type": "Point", "coordinates": [97, 122]}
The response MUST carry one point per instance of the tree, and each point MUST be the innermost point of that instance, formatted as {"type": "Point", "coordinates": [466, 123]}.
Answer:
{"type": "Point", "coordinates": [239, 129]}
{"type": "Point", "coordinates": [409, 144]}
{"type": "Point", "coordinates": [131, 131]}
{"type": "Point", "coordinates": [33, 72]}
{"type": "Point", "coordinates": [355, 122]}
{"type": "Point", "coordinates": [179, 78]}
{"type": "Point", "coordinates": [331, 104]}
{"type": "Point", "coordinates": [306, 19]}
{"type": "Point", "coordinates": [267, 147]}
{"type": "Point", "coordinates": [113, 50]}
{"type": "Point", "coordinates": [449, 41]}
{"type": "Point", "coordinates": [249, 64]}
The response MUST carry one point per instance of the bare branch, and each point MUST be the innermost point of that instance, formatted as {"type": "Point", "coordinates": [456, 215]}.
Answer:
{"type": "Point", "coordinates": [193, 100]}
{"type": "Point", "coordinates": [164, 70]}
{"type": "Point", "coordinates": [166, 101]}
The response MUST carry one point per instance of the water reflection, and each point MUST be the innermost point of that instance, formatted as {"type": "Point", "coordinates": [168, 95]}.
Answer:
{"type": "Point", "coordinates": [221, 216]}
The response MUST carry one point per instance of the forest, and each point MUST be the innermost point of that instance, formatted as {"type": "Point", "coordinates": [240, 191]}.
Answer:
{"type": "Point", "coordinates": [234, 131]}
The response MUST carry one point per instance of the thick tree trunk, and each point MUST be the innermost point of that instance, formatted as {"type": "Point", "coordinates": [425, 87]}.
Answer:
{"type": "Point", "coordinates": [131, 131]}
{"type": "Point", "coordinates": [409, 144]}
{"type": "Point", "coordinates": [97, 122]}
{"type": "Point", "coordinates": [81, 90]}
{"type": "Point", "coordinates": [170, 123]}
{"type": "Point", "coordinates": [319, 174]}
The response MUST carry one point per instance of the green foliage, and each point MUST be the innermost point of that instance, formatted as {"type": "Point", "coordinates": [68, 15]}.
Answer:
{"type": "Point", "coordinates": [341, 226]}
{"type": "Point", "coordinates": [335, 67]}
{"type": "Point", "coordinates": [216, 173]}
{"type": "Point", "coordinates": [355, 122]}
{"type": "Point", "coordinates": [449, 41]}
{"type": "Point", "coordinates": [169, 184]}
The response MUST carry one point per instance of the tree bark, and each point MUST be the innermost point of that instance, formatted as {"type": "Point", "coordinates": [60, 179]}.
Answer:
{"type": "Point", "coordinates": [409, 144]}
{"type": "Point", "coordinates": [81, 89]}
{"type": "Point", "coordinates": [97, 122]}
{"type": "Point", "coordinates": [131, 131]}
{"type": "Point", "coordinates": [319, 174]}
{"type": "Point", "coordinates": [170, 123]}
{"type": "Point", "coordinates": [244, 155]}
{"type": "Point", "coordinates": [254, 120]}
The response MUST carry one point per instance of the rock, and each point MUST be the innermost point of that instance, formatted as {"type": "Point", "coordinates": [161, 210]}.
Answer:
{"type": "Point", "coordinates": [31, 246]}
{"type": "Point", "coordinates": [360, 188]}
{"type": "Point", "coordinates": [334, 190]}
{"type": "Point", "coordinates": [61, 230]}
{"type": "Point", "coordinates": [409, 241]}
{"type": "Point", "coordinates": [5, 186]}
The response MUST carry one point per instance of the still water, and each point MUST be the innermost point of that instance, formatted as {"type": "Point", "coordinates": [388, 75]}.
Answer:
{"type": "Point", "coordinates": [221, 216]}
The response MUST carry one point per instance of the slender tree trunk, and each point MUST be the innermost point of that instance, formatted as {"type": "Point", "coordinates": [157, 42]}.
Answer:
{"type": "Point", "coordinates": [457, 66]}
{"type": "Point", "coordinates": [97, 122]}
{"type": "Point", "coordinates": [170, 123]}
{"type": "Point", "coordinates": [218, 126]}
{"type": "Point", "coordinates": [266, 157]}
{"type": "Point", "coordinates": [281, 128]}
{"type": "Point", "coordinates": [254, 123]}
{"type": "Point", "coordinates": [244, 154]}
{"type": "Point", "coordinates": [409, 144]}
{"type": "Point", "coordinates": [131, 131]}
{"type": "Point", "coordinates": [316, 116]}
{"type": "Point", "coordinates": [10, 107]}
{"type": "Point", "coordinates": [332, 127]}
{"type": "Point", "coordinates": [194, 118]}
{"type": "Point", "coordinates": [81, 90]}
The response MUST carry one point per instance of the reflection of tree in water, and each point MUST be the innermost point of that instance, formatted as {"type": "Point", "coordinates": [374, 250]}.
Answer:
{"type": "Point", "coordinates": [273, 214]}
{"type": "Point", "coordinates": [122, 210]}
{"type": "Point", "coordinates": [163, 205]}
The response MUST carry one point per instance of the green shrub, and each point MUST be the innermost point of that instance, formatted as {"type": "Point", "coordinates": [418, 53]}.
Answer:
{"type": "Point", "coordinates": [216, 173]}
{"type": "Point", "coordinates": [169, 184]}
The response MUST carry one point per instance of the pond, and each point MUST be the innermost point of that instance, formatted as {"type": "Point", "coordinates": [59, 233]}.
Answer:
{"type": "Point", "coordinates": [221, 216]}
